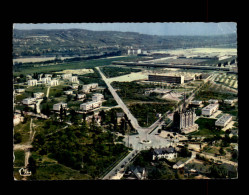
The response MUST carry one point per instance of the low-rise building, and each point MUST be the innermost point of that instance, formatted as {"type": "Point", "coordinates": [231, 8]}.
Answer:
{"type": "Point", "coordinates": [81, 96]}
{"type": "Point", "coordinates": [66, 76]}
{"type": "Point", "coordinates": [166, 78]}
{"type": "Point", "coordinates": [229, 102]}
{"type": "Point", "coordinates": [20, 90]}
{"type": "Point", "coordinates": [17, 119]}
{"type": "Point", "coordinates": [29, 101]}
{"type": "Point", "coordinates": [210, 109]}
{"type": "Point", "coordinates": [38, 95]}
{"type": "Point", "coordinates": [90, 105]}
{"type": "Point", "coordinates": [32, 82]}
{"type": "Point", "coordinates": [53, 82]}
{"type": "Point", "coordinates": [167, 153]}
{"type": "Point", "coordinates": [87, 88]}
{"type": "Point", "coordinates": [98, 97]}
{"type": "Point", "coordinates": [196, 102]}
{"type": "Point", "coordinates": [223, 120]}
{"type": "Point", "coordinates": [69, 92]}
{"type": "Point", "coordinates": [212, 101]}
{"type": "Point", "coordinates": [74, 79]}
{"type": "Point", "coordinates": [57, 106]}
{"type": "Point", "coordinates": [74, 86]}
{"type": "Point", "coordinates": [45, 80]}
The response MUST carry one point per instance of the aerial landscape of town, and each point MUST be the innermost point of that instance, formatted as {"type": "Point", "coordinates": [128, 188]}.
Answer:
{"type": "Point", "coordinates": [125, 105]}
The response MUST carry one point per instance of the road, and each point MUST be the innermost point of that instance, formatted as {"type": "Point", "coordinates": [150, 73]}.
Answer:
{"type": "Point", "coordinates": [38, 106]}
{"type": "Point", "coordinates": [47, 92]}
{"type": "Point", "coordinates": [148, 134]}
{"type": "Point", "coordinates": [124, 162]}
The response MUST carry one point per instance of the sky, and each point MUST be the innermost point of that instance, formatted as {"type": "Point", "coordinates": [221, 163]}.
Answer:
{"type": "Point", "coordinates": [188, 28]}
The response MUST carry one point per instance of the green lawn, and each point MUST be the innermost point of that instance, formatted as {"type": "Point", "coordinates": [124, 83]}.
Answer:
{"type": "Point", "coordinates": [206, 127]}
{"type": "Point", "coordinates": [19, 158]}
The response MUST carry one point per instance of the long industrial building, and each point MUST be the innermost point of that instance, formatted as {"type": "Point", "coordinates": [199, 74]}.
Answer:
{"type": "Point", "coordinates": [223, 121]}
{"type": "Point", "coordinates": [165, 78]}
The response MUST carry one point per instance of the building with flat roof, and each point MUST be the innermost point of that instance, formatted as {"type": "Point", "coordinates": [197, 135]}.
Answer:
{"type": "Point", "coordinates": [212, 101]}
{"type": "Point", "coordinates": [98, 97]}
{"type": "Point", "coordinates": [32, 82]}
{"type": "Point", "coordinates": [87, 88]}
{"type": "Point", "coordinates": [20, 90]}
{"type": "Point", "coordinates": [29, 101]}
{"type": "Point", "coordinates": [53, 82]}
{"type": "Point", "coordinates": [69, 92]}
{"type": "Point", "coordinates": [74, 79]}
{"type": "Point", "coordinates": [45, 80]}
{"type": "Point", "coordinates": [166, 78]}
{"type": "Point", "coordinates": [223, 120]}
{"type": "Point", "coordinates": [57, 106]}
{"type": "Point", "coordinates": [81, 96]}
{"type": "Point", "coordinates": [90, 105]}
{"type": "Point", "coordinates": [210, 109]}
{"type": "Point", "coordinates": [196, 102]}
{"type": "Point", "coordinates": [38, 95]}
{"type": "Point", "coordinates": [66, 76]}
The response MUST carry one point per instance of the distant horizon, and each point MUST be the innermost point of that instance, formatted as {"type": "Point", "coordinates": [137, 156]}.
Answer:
{"type": "Point", "coordinates": [159, 29]}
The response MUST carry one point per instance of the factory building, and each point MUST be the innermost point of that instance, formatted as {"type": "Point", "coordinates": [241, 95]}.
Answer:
{"type": "Point", "coordinates": [32, 82]}
{"type": "Point", "coordinates": [57, 106]}
{"type": "Point", "coordinates": [210, 109]}
{"type": "Point", "coordinates": [165, 78]}
{"type": "Point", "coordinates": [90, 105]}
{"type": "Point", "coordinates": [223, 121]}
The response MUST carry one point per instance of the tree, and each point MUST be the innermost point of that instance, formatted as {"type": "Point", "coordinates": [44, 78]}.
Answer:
{"type": "Point", "coordinates": [17, 138]}
{"type": "Point", "coordinates": [61, 113]}
{"type": "Point", "coordinates": [222, 152]}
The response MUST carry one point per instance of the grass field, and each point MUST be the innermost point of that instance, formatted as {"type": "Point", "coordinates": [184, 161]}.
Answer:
{"type": "Point", "coordinates": [86, 64]}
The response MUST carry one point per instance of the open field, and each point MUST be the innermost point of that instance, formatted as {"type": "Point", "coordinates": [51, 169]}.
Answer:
{"type": "Point", "coordinates": [37, 59]}
{"type": "Point", "coordinates": [197, 51]}
{"type": "Point", "coordinates": [77, 71]}
{"type": "Point", "coordinates": [130, 77]}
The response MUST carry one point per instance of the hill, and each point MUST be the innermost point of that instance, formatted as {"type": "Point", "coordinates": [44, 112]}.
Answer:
{"type": "Point", "coordinates": [76, 42]}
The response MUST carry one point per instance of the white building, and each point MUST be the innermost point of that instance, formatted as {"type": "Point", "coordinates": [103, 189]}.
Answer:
{"type": "Point", "coordinates": [69, 92]}
{"type": "Point", "coordinates": [53, 82]}
{"type": "Point", "coordinates": [81, 96]}
{"type": "Point", "coordinates": [48, 75]}
{"type": "Point", "coordinates": [66, 76]}
{"type": "Point", "coordinates": [90, 105]}
{"type": "Point", "coordinates": [212, 101]}
{"type": "Point", "coordinates": [17, 119]}
{"type": "Point", "coordinates": [223, 121]}
{"type": "Point", "coordinates": [32, 82]}
{"type": "Point", "coordinates": [167, 153]}
{"type": "Point", "coordinates": [29, 101]}
{"type": "Point", "coordinates": [89, 87]}
{"type": "Point", "coordinates": [230, 102]}
{"type": "Point", "coordinates": [74, 79]}
{"type": "Point", "coordinates": [57, 106]}
{"type": "Point", "coordinates": [196, 102]}
{"type": "Point", "coordinates": [20, 90]}
{"type": "Point", "coordinates": [74, 86]}
{"type": "Point", "coordinates": [45, 80]}
{"type": "Point", "coordinates": [210, 109]}
{"type": "Point", "coordinates": [98, 97]}
{"type": "Point", "coordinates": [38, 95]}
